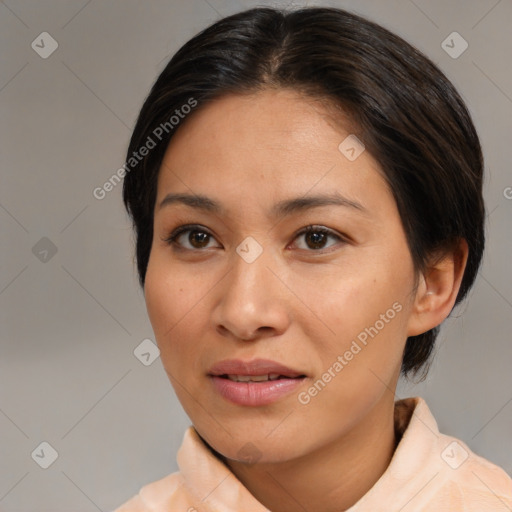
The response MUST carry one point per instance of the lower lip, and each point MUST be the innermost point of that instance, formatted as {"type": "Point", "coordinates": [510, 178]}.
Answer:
{"type": "Point", "coordinates": [255, 393]}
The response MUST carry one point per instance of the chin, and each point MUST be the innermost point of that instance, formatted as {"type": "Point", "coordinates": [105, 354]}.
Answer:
{"type": "Point", "coordinates": [249, 448]}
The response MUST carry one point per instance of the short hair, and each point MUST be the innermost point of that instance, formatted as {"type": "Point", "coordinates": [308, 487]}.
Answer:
{"type": "Point", "coordinates": [405, 110]}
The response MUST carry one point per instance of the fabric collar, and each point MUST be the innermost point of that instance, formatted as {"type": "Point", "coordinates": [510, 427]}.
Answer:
{"type": "Point", "coordinates": [417, 429]}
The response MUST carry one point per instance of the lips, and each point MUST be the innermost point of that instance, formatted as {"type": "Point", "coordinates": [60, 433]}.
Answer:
{"type": "Point", "coordinates": [255, 378]}
{"type": "Point", "coordinates": [256, 367]}
{"type": "Point", "coordinates": [254, 383]}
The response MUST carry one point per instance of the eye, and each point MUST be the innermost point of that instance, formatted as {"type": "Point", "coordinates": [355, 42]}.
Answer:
{"type": "Point", "coordinates": [198, 237]}
{"type": "Point", "coordinates": [316, 237]}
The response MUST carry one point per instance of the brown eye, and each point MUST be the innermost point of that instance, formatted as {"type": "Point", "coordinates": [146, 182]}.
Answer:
{"type": "Point", "coordinates": [198, 238]}
{"type": "Point", "coordinates": [316, 237]}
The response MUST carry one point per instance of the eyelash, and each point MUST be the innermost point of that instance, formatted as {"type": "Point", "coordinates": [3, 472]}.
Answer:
{"type": "Point", "coordinates": [172, 238]}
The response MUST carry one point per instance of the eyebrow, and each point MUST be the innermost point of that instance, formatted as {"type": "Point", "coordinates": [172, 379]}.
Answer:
{"type": "Point", "coordinates": [281, 209]}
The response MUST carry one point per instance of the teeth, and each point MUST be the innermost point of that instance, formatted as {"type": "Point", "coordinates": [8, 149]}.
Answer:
{"type": "Point", "coordinates": [253, 378]}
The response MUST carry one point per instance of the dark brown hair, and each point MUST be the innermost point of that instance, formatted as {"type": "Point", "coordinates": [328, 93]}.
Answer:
{"type": "Point", "coordinates": [407, 113]}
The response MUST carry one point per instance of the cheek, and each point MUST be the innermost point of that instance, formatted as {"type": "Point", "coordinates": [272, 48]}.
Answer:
{"type": "Point", "coordinates": [368, 314]}
{"type": "Point", "coordinates": [167, 297]}
{"type": "Point", "coordinates": [344, 300]}
{"type": "Point", "coordinates": [167, 293]}
{"type": "Point", "coordinates": [176, 302]}
{"type": "Point", "coordinates": [160, 298]}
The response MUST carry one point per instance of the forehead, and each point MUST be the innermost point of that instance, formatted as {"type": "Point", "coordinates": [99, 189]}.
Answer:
{"type": "Point", "coordinates": [269, 120]}
{"type": "Point", "coordinates": [273, 143]}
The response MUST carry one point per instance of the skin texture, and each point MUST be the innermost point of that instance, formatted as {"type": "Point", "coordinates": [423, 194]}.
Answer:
{"type": "Point", "coordinates": [295, 304]}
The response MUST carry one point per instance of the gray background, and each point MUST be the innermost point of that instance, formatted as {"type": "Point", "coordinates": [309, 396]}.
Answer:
{"type": "Point", "coordinates": [70, 321]}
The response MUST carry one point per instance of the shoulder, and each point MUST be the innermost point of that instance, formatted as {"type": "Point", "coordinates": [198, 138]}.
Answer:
{"type": "Point", "coordinates": [434, 471]}
{"type": "Point", "coordinates": [133, 505]}
{"type": "Point", "coordinates": [185, 490]}
{"type": "Point", "coordinates": [475, 482]}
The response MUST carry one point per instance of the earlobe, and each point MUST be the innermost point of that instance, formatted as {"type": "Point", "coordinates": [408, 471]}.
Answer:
{"type": "Point", "coordinates": [437, 289]}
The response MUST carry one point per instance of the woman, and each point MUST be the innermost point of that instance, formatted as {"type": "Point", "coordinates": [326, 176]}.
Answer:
{"type": "Point", "coordinates": [306, 192]}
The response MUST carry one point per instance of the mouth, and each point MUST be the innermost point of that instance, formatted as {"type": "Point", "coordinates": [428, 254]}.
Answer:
{"type": "Point", "coordinates": [257, 378]}
{"type": "Point", "coordinates": [254, 383]}
{"type": "Point", "coordinates": [262, 369]}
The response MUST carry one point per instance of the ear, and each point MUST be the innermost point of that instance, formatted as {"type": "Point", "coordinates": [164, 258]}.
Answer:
{"type": "Point", "coordinates": [437, 289]}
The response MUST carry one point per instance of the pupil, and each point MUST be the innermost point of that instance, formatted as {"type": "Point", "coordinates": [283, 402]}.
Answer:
{"type": "Point", "coordinates": [316, 238]}
{"type": "Point", "coordinates": [197, 236]}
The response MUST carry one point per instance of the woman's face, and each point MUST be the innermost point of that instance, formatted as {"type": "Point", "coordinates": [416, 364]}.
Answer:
{"type": "Point", "coordinates": [245, 283]}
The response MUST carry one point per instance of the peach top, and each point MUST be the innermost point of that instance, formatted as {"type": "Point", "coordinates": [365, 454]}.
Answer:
{"type": "Point", "coordinates": [429, 472]}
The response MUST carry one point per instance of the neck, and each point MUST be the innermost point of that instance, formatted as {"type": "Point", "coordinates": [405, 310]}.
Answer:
{"type": "Point", "coordinates": [332, 478]}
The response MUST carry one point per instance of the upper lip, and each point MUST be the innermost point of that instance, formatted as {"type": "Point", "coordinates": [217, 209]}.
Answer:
{"type": "Point", "coordinates": [253, 367]}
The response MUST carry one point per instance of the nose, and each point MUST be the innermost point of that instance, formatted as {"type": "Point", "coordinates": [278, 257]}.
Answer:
{"type": "Point", "coordinates": [252, 302]}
